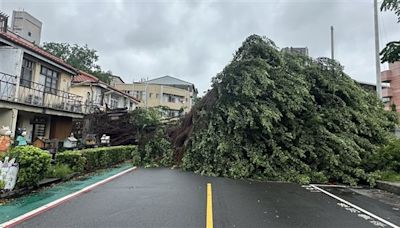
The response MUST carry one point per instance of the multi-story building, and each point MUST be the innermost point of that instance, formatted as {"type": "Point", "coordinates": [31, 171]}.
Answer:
{"type": "Point", "coordinates": [98, 96]}
{"type": "Point", "coordinates": [391, 94]}
{"type": "Point", "coordinates": [26, 26]}
{"type": "Point", "coordinates": [173, 95]}
{"type": "Point", "coordinates": [34, 89]}
{"type": "Point", "coordinates": [297, 50]}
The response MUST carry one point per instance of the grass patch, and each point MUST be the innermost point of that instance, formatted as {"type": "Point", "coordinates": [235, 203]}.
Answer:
{"type": "Point", "coordinates": [389, 176]}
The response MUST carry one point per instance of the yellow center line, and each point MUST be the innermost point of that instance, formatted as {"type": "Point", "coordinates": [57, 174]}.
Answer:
{"type": "Point", "coordinates": [209, 223]}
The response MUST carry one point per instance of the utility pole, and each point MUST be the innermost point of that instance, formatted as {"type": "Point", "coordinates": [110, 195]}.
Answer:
{"type": "Point", "coordinates": [332, 45]}
{"type": "Point", "coordinates": [377, 57]}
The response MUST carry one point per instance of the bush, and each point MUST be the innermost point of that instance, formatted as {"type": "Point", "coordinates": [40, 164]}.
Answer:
{"type": "Point", "coordinates": [106, 156]}
{"type": "Point", "coordinates": [33, 164]}
{"type": "Point", "coordinates": [59, 171]}
{"type": "Point", "coordinates": [136, 159]}
{"type": "Point", "coordinates": [388, 157]}
{"type": "Point", "coordinates": [157, 151]}
{"type": "Point", "coordinates": [73, 159]}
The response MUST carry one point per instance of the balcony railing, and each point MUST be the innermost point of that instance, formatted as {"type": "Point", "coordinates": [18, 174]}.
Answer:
{"type": "Point", "coordinates": [36, 94]}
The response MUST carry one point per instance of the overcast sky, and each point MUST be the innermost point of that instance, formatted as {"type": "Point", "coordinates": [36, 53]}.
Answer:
{"type": "Point", "coordinates": [194, 40]}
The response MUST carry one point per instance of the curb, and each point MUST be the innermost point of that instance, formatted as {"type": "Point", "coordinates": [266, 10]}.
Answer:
{"type": "Point", "coordinates": [392, 187]}
{"type": "Point", "coordinates": [37, 211]}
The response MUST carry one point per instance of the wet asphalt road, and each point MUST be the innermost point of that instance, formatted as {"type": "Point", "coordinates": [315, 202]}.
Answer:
{"type": "Point", "coordinates": [173, 198]}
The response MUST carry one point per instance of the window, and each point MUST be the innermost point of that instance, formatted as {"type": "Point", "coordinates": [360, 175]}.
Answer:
{"type": "Point", "coordinates": [157, 95]}
{"type": "Point", "coordinates": [26, 73]}
{"type": "Point", "coordinates": [386, 99]}
{"type": "Point", "coordinates": [150, 95]}
{"type": "Point", "coordinates": [49, 79]}
{"type": "Point", "coordinates": [113, 101]}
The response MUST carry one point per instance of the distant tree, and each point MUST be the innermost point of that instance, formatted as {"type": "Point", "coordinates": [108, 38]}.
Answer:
{"type": "Point", "coordinates": [391, 53]}
{"type": "Point", "coordinates": [80, 57]}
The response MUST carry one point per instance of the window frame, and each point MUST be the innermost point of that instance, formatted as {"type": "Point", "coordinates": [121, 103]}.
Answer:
{"type": "Point", "coordinates": [51, 79]}
{"type": "Point", "coordinates": [28, 65]}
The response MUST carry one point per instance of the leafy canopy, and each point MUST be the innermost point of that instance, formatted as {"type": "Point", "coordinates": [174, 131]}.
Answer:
{"type": "Point", "coordinates": [80, 57]}
{"type": "Point", "coordinates": [391, 53]}
{"type": "Point", "coordinates": [278, 116]}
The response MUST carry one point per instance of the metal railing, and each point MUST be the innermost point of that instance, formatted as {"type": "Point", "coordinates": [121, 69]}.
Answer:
{"type": "Point", "coordinates": [36, 94]}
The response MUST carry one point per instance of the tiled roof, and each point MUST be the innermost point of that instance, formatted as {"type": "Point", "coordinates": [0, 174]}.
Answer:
{"type": "Point", "coordinates": [85, 77]}
{"type": "Point", "coordinates": [32, 47]}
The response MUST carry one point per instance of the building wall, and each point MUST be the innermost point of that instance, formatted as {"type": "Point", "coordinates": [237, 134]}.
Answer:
{"type": "Point", "coordinates": [11, 60]}
{"type": "Point", "coordinates": [26, 26]}
{"type": "Point", "coordinates": [391, 95]}
{"type": "Point", "coordinates": [8, 118]}
{"type": "Point", "coordinates": [153, 95]}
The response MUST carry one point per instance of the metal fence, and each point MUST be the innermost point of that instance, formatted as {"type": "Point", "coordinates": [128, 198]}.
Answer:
{"type": "Point", "coordinates": [36, 94]}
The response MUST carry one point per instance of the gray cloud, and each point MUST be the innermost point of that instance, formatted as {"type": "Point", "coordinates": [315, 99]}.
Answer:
{"type": "Point", "coordinates": [194, 40]}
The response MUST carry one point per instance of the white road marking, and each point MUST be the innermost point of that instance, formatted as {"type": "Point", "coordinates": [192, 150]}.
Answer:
{"type": "Point", "coordinates": [367, 213]}
{"type": "Point", "coordinates": [55, 203]}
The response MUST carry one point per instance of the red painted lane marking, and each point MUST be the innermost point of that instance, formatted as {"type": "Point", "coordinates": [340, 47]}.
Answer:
{"type": "Point", "coordinates": [46, 207]}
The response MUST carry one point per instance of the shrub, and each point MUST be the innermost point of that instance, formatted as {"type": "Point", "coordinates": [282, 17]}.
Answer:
{"type": "Point", "coordinates": [33, 164]}
{"type": "Point", "coordinates": [158, 151]}
{"type": "Point", "coordinates": [59, 171]}
{"type": "Point", "coordinates": [73, 159]}
{"type": "Point", "coordinates": [387, 157]}
{"type": "Point", "coordinates": [106, 156]}
{"type": "Point", "coordinates": [136, 159]}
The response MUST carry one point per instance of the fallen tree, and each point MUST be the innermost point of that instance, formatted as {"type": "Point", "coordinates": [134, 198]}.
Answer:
{"type": "Point", "coordinates": [277, 116]}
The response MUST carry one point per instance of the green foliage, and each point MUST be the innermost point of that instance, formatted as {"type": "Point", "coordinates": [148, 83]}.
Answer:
{"type": "Point", "coordinates": [391, 53]}
{"type": "Point", "coordinates": [136, 159]}
{"type": "Point", "coordinates": [73, 159]}
{"type": "Point", "coordinates": [2, 184]}
{"type": "Point", "coordinates": [59, 170]}
{"type": "Point", "coordinates": [142, 118]}
{"type": "Point", "coordinates": [80, 57]}
{"type": "Point", "coordinates": [277, 116]}
{"type": "Point", "coordinates": [387, 158]}
{"type": "Point", "coordinates": [106, 156]}
{"type": "Point", "coordinates": [33, 164]}
{"type": "Point", "coordinates": [392, 5]}
{"type": "Point", "coordinates": [157, 151]}
{"type": "Point", "coordinates": [389, 176]}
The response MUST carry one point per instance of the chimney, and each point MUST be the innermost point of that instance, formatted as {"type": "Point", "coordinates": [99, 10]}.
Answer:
{"type": "Point", "coordinates": [3, 22]}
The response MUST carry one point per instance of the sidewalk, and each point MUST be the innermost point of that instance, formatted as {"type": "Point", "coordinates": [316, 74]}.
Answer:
{"type": "Point", "coordinates": [393, 187]}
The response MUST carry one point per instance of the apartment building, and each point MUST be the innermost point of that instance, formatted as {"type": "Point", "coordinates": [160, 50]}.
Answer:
{"type": "Point", "coordinates": [34, 89]}
{"type": "Point", "coordinates": [175, 96]}
{"type": "Point", "coordinates": [391, 94]}
{"type": "Point", "coordinates": [99, 96]}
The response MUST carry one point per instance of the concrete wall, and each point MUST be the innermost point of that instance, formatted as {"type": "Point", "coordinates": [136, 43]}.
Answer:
{"type": "Point", "coordinates": [26, 26]}
{"type": "Point", "coordinates": [8, 118]}
{"type": "Point", "coordinates": [11, 60]}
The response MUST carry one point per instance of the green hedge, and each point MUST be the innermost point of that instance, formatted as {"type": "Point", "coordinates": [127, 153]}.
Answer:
{"type": "Point", "coordinates": [73, 159]}
{"type": "Point", "coordinates": [106, 156]}
{"type": "Point", "coordinates": [33, 164]}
